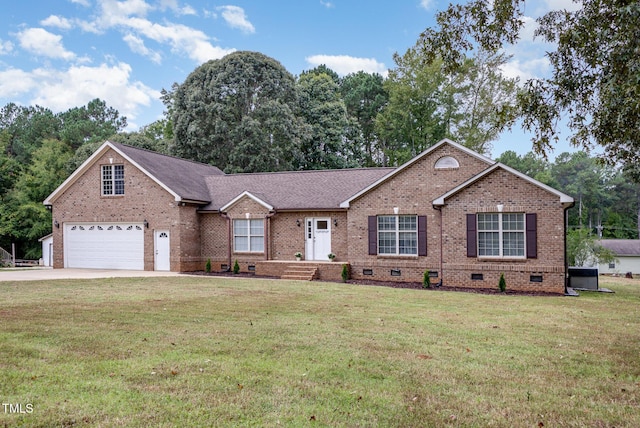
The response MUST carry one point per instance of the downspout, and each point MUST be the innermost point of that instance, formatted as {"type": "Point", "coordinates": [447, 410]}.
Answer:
{"type": "Point", "coordinates": [225, 216]}
{"type": "Point", "coordinates": [267, 236]}
{"type": "Point", "coordinates": [439, 284]}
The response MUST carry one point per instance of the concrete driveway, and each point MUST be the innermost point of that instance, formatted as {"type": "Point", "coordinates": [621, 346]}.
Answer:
{"type": "Point", "coordinates": [47, 274]}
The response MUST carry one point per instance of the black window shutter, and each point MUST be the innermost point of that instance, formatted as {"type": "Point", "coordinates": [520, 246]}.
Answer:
{"type": "Point", "coordinates": [422, 235]}
{"type": "Point", "coordinates": [472, 236]}
{"type": "Point", "coordinates": [373, 235]}
{"type": "Point", "coordinates": [532, 235]}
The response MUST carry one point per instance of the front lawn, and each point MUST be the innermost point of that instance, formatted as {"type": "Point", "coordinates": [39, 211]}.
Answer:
{"type": "Point", "coordinates": [206, 351]}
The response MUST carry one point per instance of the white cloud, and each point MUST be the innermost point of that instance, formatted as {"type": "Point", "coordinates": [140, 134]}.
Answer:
{"type": "Point", "coordinates": [344, 64]}
{"type": "Point", "coordinates": [569, 5]}
{"type": "Point", "coordinates": [327, 4]}
{"type": "Point", "coordinates": [41, 42]}
{"type": "Point", "coordinates": [5, 47]}
{"type": "Point", "coordinates": [526, 69]}
{"type": "Point", "coordinates": [174, 6]}
{"type": "Point", "coordinates": [129, 17]}
{"type": "Point", "coordinates": [236, 18]}
{"type": "Point", "coordinates": [426, 4]}
{"type": "Point", "coordinates": [57, 21]}
{"type": "Point", "coordinates": [136, 44]}
{"type": "Point", "coordinates": [61, 90]}
{"type": "Point", "coordinates": [14, 82]}
{"type": "Point", "coordinates": [113, 13]}
{"type": "Point", "coordinates": [181, 38]}
{"type": "Point", "coordinates": [84, 3]}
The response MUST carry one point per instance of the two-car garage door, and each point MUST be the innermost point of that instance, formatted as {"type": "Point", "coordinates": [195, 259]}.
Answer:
{"type": "Point", "coordinates": [104, 246]}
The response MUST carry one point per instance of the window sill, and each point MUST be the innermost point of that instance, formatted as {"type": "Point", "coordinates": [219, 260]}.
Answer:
{"type": "Point", "coordinates": [398, 256]}
{"type": "Point", "coordinates": [502, 259]}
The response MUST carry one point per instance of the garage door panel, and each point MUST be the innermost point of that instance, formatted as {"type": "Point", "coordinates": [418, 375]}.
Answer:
{"type": "Point", "coordinates": [104, 246]}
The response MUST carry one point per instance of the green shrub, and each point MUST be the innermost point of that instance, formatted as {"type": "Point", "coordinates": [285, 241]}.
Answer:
{"type": "Point", "coordinates": [502, 285]}
{"type": "Point", "coordinates": [236, 267]}
{"type": "Point", "coordinates": [426, 280]}
{"type": "Point", "coordinates": [207, 267]}
{"type": "Point", "coordinates": [345, 273]}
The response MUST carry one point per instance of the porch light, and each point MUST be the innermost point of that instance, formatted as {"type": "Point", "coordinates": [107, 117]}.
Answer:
{"type": "Point", "coordinates": [146, 224]}
{"type": "Point", "coordinates": [298, 222]}
{"type": "Point", "coordinates": [56, 224]}
{"type": "Point", "coordinates": [335, 222]}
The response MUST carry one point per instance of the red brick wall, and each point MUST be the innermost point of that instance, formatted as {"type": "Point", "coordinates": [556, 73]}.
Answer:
{"type": "Point", "coordinates": [517, 195]}
{"type": "Point", "coordinates": [412, 191]}
{"type": "Point", "coordinates": [144, 199]}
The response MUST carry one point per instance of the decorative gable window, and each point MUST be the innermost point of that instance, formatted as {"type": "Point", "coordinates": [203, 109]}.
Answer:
{"type": "Point", "coordinates": [398, 235]}
{"type": "Point", "coordinates": [112, 180]}
{"type": "Point", "coordinates": [248, 235]}
{"type": "Point", "coordinates": [447, 162]}
{"type": "Point", "coordinates": [507, 235]}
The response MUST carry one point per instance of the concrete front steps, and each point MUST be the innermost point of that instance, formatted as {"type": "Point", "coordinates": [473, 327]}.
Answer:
{"type": "Point", "coordinates": [302, 272]}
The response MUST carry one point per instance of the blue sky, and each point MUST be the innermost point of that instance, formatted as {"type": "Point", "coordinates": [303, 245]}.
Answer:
{"type": "Point", "coordinates": [61, 54]}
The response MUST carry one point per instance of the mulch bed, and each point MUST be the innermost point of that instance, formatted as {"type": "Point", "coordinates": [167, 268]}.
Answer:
{"type": "Point", "coordinates": [391, 284]}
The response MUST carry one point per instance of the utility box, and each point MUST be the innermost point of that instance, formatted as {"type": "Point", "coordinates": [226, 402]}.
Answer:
{"type": "Point", "coordinates": [585, 278]}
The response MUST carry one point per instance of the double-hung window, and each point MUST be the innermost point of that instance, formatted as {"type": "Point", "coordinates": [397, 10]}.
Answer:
{"type": "Point", "coordinates": [248, 235]}
{"type": "Point", "coordinates": [112, 180]}
{"type": "Point", "coordinates": [501, 235]}
{"type": "Point", "coordinates": [398, 234]}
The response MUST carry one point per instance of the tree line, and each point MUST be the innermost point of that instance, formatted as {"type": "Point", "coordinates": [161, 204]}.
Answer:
{"type": "Point", "coordinates": [246, 113]}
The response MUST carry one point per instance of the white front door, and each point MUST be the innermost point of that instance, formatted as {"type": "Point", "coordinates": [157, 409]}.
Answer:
{"type": "Point", "coordinates": [162, 250]}
{"type": "Point", "coordinates": [318, 238]}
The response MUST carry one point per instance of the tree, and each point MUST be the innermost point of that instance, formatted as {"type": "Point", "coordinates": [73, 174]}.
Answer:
{"type": "Point", "coordinates": [483, 101]}
{"type": "Point", "coordinates": [593, 82]}
{"type": "Point", "coordinates": [226, 105]}
{"type": "Point", "coordinates": [365, 97]}
{"type": "Point", "coordinates": [23, 218]}
{"type": "Point", "coordinates": [412, 121]}
{"type": "Point", "coordinates": [95, 122]}
{"type": "Point", "coordinates": [25, 128]}
{"type": "Point", "coordinates": [321, 106]}
{"type": "Point", "coordinates": [583, 249]}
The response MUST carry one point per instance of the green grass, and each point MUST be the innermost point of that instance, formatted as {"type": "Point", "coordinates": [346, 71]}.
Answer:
{"type": "Point", "coordinates": [202, 351]}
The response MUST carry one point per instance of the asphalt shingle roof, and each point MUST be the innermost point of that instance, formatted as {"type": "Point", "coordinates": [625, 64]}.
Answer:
{"type": "Point", "coordinates": [291, 190]}
{"type": "Point", "coordinates": [184, 177]}
{"type": "Point", "coordinates": [622, 247]}
{"type": "Point", "coordinates": [294, 190]}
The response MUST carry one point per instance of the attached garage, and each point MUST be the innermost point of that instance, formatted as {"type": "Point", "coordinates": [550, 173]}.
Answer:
{"type": "Point", "coordinates": [104, 246]}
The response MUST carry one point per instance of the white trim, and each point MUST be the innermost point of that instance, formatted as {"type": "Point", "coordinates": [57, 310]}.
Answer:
{"type": "Point", "coordinates": [406, 165]}
{"type": "Point", "coordinates": [90, 161]}
{"type": "Point", "coordinates": [250, 196]}
{"type": "Point", "coordinates": [564, 199]}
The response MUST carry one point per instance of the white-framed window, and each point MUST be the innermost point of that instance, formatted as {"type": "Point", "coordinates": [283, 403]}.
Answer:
{"type": "Point", "coordinates": [112, 180]}
{"type": "Point", "coordinates": [398, 234]}
{"type": "Point", "coordinates": [248, 235]}
{"type": "Point", "coordinates": [501, 235]}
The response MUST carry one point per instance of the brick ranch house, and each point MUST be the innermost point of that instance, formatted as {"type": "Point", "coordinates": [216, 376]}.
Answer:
{"type": "Point", "coordinates": [450, 211]}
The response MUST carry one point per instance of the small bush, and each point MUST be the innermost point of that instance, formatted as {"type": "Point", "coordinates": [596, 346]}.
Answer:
{"type": "Point", "coordinates": [236, 267]}
{"type": "Point", "coordinates": [426, 280]}
{"type": "Point", "coordinates": [502, 285]}
{"type": "Point", "coordinates": [345, 273]}
{"type": "Point", "coordinates": [207, 266]}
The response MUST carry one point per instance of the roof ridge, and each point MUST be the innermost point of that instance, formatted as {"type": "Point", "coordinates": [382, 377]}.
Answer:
{"type": "Point", "coordinates": [372, 168]}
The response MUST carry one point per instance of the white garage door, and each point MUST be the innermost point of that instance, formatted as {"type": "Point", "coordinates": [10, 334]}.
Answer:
{"type": "Point", "coordinates": [104, 246]}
